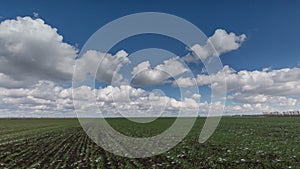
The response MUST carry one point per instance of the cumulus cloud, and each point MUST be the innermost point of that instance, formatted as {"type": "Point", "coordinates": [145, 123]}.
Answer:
{"type": "Point", "coordinates": [42, 99]}
{"type": "Point", "coordinates": [32, 50]}
{"type": "Point", "coordinates": [225, 42]}
{"type": "Point", "coordinates": [128, 101]}
{"type": "Point", "coordinates": [143, 74]}
{"type": "Point", "coordinates": [281, 82]}
{"type": "Point", "coordinates": [277, 101]}
{"type": "Point", "coordinates": [119, 94]}
{"type": "Point", "coordinates": [8, 82]}
{"type": "Point", "coordinates": [248, 109]}
{"type": "Point", "coordinates": [34, 60]}
{"type": "Point", "coordinates": [46, 99]}
{"type": "Point", "coordinates": [104, 65]}
{"type": "Point", "coordinates": [257, 91]}
{"type": "Point", "coordinates": [220, 42]}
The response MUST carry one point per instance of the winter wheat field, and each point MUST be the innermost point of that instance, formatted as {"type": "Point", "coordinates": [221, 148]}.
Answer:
{"type": "Point", "coordinates": [239, 142]}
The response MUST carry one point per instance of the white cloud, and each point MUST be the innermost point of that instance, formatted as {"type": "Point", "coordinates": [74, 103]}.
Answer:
{"type": "Point", "coordinates": [224, 42]}
{"type": "Point", "coordinates": [281, 82]}
{"type": "Point", "coordinates": [277, 101]}
{"type": "Point", "coordinates": [220, 42]}
{"type": "Point", "coordinates": [32, 50]}
{"type": "Point", "coordinates": [196, 96]}
{"type": "Point", "coordinates": [105, 65]}
{"type": "Point", "coordinates": [143, 74]}
{"type": "Point", "coordinates": [35, 14]}
{"type": "Point", "coordinates": [247, 109]}
{"type": "Point", "coordinates": [45, 99]}
{"type": "Point", "coordinates": [34, 60]}
{"type": "Point", "coordinates": [130, 101]}
{"type": "Point", "coordinates": [258, 91]}
{"type": "Point", "coordinates": [119, 94]}
{"type": "Point", "coordinates": [8, 82]}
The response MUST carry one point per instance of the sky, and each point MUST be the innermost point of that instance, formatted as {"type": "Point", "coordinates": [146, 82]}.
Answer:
{"type": "Point", "coordinates": [257, 43]}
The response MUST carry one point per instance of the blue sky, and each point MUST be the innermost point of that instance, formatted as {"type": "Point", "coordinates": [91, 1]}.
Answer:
{"type": "Point", "coordinates": [271, 30]}
{"type": "Point", "coordinates": [271, 26]}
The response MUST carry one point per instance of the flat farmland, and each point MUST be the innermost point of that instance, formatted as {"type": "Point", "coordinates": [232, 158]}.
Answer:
{"type": "Point", "coordinates": [238, 142]}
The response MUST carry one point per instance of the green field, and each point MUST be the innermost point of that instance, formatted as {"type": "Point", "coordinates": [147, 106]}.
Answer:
{"type": "Point", "coordinates": [239, 142]}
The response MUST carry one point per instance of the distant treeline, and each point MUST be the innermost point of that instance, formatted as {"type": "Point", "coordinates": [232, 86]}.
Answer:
{"type": "Point", "coordinates": [286, 113]}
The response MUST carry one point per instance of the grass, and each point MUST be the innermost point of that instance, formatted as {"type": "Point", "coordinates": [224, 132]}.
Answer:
{"type": "Point", "coordinates": [239, 142]}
